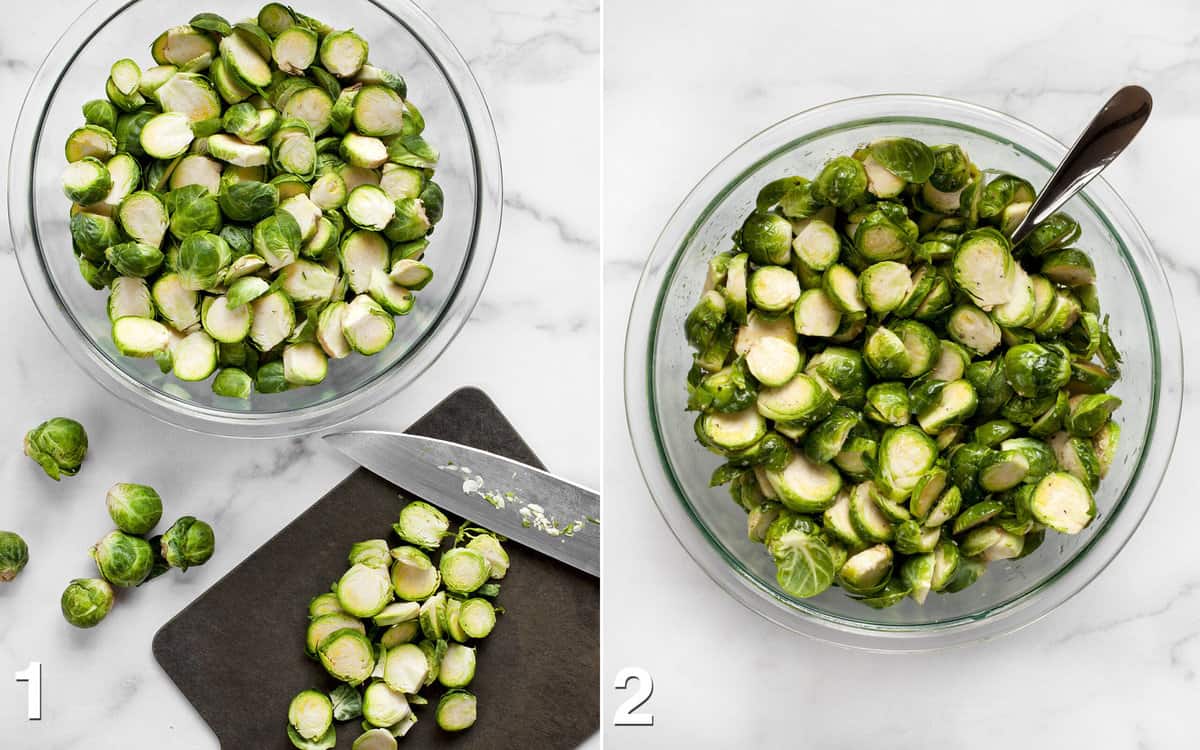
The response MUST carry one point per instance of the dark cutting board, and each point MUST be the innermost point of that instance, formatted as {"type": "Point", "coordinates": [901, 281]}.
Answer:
{"type": "Point", "coordinates": [237, 652]}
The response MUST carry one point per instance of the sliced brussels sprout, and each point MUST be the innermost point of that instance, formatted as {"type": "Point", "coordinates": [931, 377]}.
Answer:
{"type": "Point", "coordinates": [456, 711]}
{"type": "Point", "coordinates": [129, 296]}
{"type": "Point", "coordinates": [885, 285]}
{"type": "Point", "coordinates": [477, 618]}
{"type": "Point", "coordinates": [816, 315]}
{"type": "Point", "coordinates": [166, 135]}
{"type": "Point", "coordinates": [974, 329]}
{"type": "Point", "coordinates": [885, 353]}
{"type": "Point", "coordinates": [272, 319]}
{"type": "Point", "coordinates": [1070, 267]}
{"type": "Point", "coordinates": [917, 574]}
{"type": "Point", "coordinates": [304, 364]}
{"type": "Point", "coordinates": [348, 656]}
{"type": "Point", "coordinates": [91, 141]}
{"type": "Point", "coordinates": [773, 361]}
{"type": "Point", "coordinates": [954, 402]}
{"type": "Point", "coordinates": [905, 455]}
{"type": "Point", "coordinates": [86, 180]}
{"type": "Point", "coordinates": [1089, 413]}
{"type": "Point", "coordinates": [842, 182]}
{"type": "Point", "coordinates": [311, 714]}
{"type": "Point", "coordinates": [232, 382]}
{"type": "Point", "coordinates": [233, 150]}
{"type": "Point", "coordinates": [804, 485]}
{"type": "Point", "coordinates": [1104, 443]}
{"type": "Point", "coordinates": [411, 274]}
{"type": "Point", "coordinates": [926, 493]}
{"type": "Point", "coordinates": [392, 297]}
{"type": "Point", "coordinates": [817, 244]}
{"type": "Point", "coordinates": [913, 539]}
{"type": "Point", "coordinates": [326, 624]}
{"type": "Point", "coordinates": [947, 507]}
{"type": "Point", "coordinates": [368, 207]}
{"type": "Point", "coordinates": [868, 571]}
{"type": "Point", "coordinates": [773, 289]}
{"type": "Point", "coordinates": [367, 327]}
{"type": "Point", "coordinates": [139, 337]}
{"type": "Point", "coordinates": [867, 519]}
{"type": "Point", "coordinates": [343, 53]}
{"type": "Point", "coordinates": [223, 321]}
{"type": "Point", "coordinates": [195, 357]}
{"type": "Point", "coordinates": [176, 303]}
{"type": "Point", "coordinates": [991, 542]}
{"type": "Point", "coordinates": [422, 525]}
{"type": "Point", "coordinates": [984, 268]}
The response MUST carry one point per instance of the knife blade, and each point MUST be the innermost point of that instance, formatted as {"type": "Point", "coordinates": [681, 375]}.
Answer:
{"type": "Point", "coordinates": [532, 507]}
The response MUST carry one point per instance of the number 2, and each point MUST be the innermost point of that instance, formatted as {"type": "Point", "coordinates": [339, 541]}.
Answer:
{"type": "Point", "coordinates": [625, 715]}
{"type": "Point", "coordinates": [33, 675]}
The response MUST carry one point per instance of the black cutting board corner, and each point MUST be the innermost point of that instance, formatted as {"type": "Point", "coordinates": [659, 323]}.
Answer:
{"type": "Point", "coordinates": [237, 651]}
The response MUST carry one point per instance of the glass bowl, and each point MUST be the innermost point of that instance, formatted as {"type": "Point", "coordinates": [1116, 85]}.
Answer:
{"type": "Point", "coordinates": [402, 38]}
{"type": "Point", "coordinates": [676, 468]}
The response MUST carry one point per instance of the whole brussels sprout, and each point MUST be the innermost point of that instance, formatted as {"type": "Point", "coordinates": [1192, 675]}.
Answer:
{"type": "Point", "coordinates": [123, 560]}
{"type": "Point", "coordinates": [202, 258]}
{"type": "Point", "coordinates": [58, 445]}
{"type": "Point", "coordinates": [187, 543]}
{"type": "Point", "coordinates": [14, 555]}
{"type": "Point", "coordinates": [134, 508]}
{"type": "Point", "coordinates": [87, 601]}
{"type": "Point", "coordinates": [101, 112]}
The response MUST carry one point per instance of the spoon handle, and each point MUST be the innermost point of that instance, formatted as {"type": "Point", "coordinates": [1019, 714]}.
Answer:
{"type": "Point", "coordinates": [1106, 136]}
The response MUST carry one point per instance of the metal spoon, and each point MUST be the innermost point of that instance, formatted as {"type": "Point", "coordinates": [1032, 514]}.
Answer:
{"type": "Point", "coordinates": [1106, 136]}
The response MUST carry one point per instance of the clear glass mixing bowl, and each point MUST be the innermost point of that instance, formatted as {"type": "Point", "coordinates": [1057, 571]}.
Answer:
{"type": "Point", "coordinates": [676, 468]}
{"type": "Point", "coordinates": [403, 38]}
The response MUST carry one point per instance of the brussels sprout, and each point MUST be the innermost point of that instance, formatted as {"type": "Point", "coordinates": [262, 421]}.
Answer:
{"type": "Point", "coordinates": [984, 268]}
{"type": "Point", "coordinates": [422, 525]}
{"type": "Point", "coordinates": [368, 207]}
{"type": "Point", "coordinates": [412, 150]}
{"type": "Point", "coordinates": [414, 577]}
{"type": "Point", "coordinates": [772, 288]}
{"type": "Point", "coordinates": [885, 353]}
{"type": "Point", "coordinates": [815, 314]}
{"type": "Point", "coordinates": [129, 297]}
{"type": "Point", "coordinates": [14, 555]}
{"type": "Point", "coordinates": [817, 244]}
{"type": "Point", "coordinates": [232, 382]}
{"type": "Point", "coordinates": [767, 238]}
{"type": "Point", "coordinates": [1089, 413]}
{"type": "Point", "coordinates": [58, 445]}
{"type": "Point", "coordinates": [311, 714]}
{"type": "Point", "coordinates": [411, 274]}
{"type": "Point", "coordinates": [868, 571]}
{"type": "Point", "coordinates": [166, 135]}
{"type": "Point", "coordinates": [295, 49]}
{"type": "Point", "coordinates": [123, 559]}
{"type": "Point", "coordinates": [1034, 370]}
{"type": "Point", "coordinates": [248, 201]}
{"type": "Point", "coordinates": [367, 328]}
{"type": "Point", "coordinates": [905, 455]}
{"type": "Point", "coordinates": [203, 258]}
{"type": "Point", "coordinates": [804, 566]}
{"type": "Point", "coordinates": [304, 364]}
{"type": "Point", "coordinates": [86, 180]}
{"type": "Point", "coordinates": [972, 328]}
{"type": "Point", "coordinates": [91, 142]}
{"type": "Point", "coordinates": [841, 183]}
{"type": "Point", "coordinates": [343, 53]}
{"type": "Point", "coordinates": [140, 337]}
{"type": "Point", "coordinates": [188, 543]}
{"type": "Point", "coordinates": [87, 601]}
{"type": "Point", "coordinates": [1104, 443]}
{"type": "Point", "coordinates": [92, 234]}
{"type": "Point", "coordinates": [377, 739]}
{"type": "Point", "coordinates": [101, 113]}
{"type": "Point", "coordinates": [458, 666]}
{"type": "Point", "coordinates": [951, 404]}
{"type": "Point", "coordinates": [378, 111]}
{"type": "Point", "coordinates": [134, 508]}
{"type": "Point", "coordinates": [382, 706]}
{"type": "Point", "coordinates": [347, 655]}
{"type": "Point", "coordinates": [826, 440]}
{"type": "Point", "coordinates": [911, 538]}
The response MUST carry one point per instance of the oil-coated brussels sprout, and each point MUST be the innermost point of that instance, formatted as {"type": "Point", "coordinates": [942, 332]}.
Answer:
{"type": "Point", "coordinates": [123, 559]}
{"type": "Point", "coordinates": [14, 555]}
{"type": "Point", "coordinates": [188, 543]}
{"type": "Point", "coordinates": [900, 279]}
{"type": "Point", "coordinates": [58, 445]}
{"type": "Point", "coordinates": [311, 714]}
{"type": "Point", "coordinates": [134, 508]}
{"type": "Point", "coordinates": [87, 601]}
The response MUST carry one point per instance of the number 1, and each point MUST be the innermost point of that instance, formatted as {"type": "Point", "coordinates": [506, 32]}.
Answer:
{"type": "Point", "coordinates": [33, 675]}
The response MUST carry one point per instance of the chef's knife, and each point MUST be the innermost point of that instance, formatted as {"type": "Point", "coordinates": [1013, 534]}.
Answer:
{"type": "Point", "coordinates": [532, 507]}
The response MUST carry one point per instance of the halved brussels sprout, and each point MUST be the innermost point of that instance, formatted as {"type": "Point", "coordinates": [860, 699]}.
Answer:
{"type": "Point", "coordinates": [343, 53]}
{"type": "Point", "coordinates": [348, 656]}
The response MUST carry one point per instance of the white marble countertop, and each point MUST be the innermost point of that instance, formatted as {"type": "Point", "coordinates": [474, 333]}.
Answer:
{"type": "Point", "coordinates": [539, 65]}
{"type": "Point", "coordinates": [1116, 666]}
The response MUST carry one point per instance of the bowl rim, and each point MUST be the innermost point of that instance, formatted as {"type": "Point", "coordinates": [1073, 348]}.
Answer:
{"type": "Point", "coordinates": [724, 567]}
{"type": "Point", "coordinates": [260, 423]}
